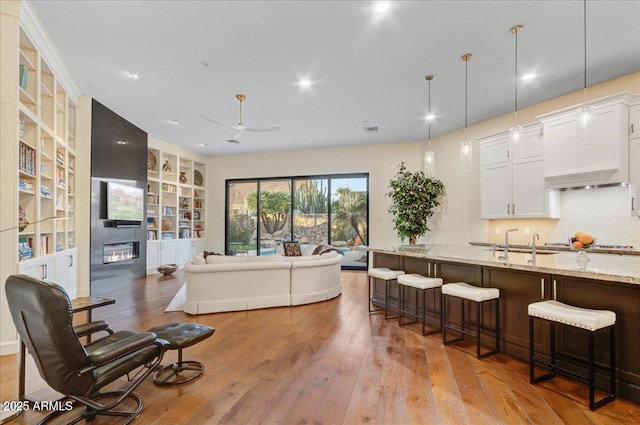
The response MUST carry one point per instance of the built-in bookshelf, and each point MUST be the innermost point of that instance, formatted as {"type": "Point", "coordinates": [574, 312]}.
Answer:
{"type": "Point", "coordinates": [175, 207]}
{"type": "Point", "coordinates": [46, 157]}
{"type": "Point", "coordinates": [175, 197]}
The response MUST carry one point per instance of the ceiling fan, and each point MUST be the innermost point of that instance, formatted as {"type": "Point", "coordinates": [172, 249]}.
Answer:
{"type": "Point", "coordinates": [241, 128]}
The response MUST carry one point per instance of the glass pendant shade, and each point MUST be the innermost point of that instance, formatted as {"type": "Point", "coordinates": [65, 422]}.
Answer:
{"type": "Point", "coordinates": [466, 153]}
{"type": "Point", "coordinates": [516, 133]}
{"type": "Point", "coordinates": [584, 125]}
{"type": "Point", "coordinates": [429, 163]}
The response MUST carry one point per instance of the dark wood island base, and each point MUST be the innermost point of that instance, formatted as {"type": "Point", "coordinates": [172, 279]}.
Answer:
{"type": "Point", "coordinates": [612, 283]}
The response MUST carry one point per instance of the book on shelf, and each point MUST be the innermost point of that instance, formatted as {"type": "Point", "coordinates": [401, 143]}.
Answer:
{"type": "Point", "coordinates": [25, 248]}
{"type": "Point", "coordinates": [24, 77]}
{"type": "Point", "coordinates": [27, 159]}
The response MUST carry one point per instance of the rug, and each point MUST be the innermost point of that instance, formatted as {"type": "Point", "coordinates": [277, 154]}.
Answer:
{"type": "Point", "coordinates": [177, 303]}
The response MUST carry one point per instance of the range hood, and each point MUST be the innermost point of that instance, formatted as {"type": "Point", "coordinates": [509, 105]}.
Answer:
{"type": "Point", "coordinates": [604, 160]}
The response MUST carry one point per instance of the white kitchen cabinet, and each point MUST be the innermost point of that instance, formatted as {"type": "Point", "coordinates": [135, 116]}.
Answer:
{"type": "Point", "coordinates": [161, 252]}
{"type": "Point", "coordinates": [634, 176]}
{"type": "Point", "coordinates": [603, 160]}
{"type": "Point", "coordinates": [634, 120]}
{"type": "Point", "coordinates": [512, 186]}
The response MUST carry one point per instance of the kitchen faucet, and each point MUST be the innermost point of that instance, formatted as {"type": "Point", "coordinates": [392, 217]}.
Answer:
{"type": "Point", "coordinates": [506, 244]}
{"type": "Point", "coordinates": [533, 249]}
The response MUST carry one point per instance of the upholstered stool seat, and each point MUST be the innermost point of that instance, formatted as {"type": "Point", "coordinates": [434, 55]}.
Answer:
{"type": "Point", "coordinates": [591, 321]}
{"type": "Point", "coordinates": [422, 285]}
{"type": "Point", "coordinates": [480, 296]}
{"type": "Point", "coordinates": [388, 275]}
{"type": "Point", "coordinates": [180, 335]}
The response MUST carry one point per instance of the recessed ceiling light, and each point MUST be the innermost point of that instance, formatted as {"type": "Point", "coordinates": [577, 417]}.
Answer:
{"type": "Point", "coordinates": [202, 144]}
{"type": "Point", "coordinates": [529, 76]}
{"type": "Point", "coordinates": [382, 6]}
{"type": "Point", "coordinates": [134, 75]}
{"type": "Point", "coordinates": [429, 117]}
{"type": "Point", "coordinates": [174, 122]}
{"type": "Point", "coordinates": [304, 83]}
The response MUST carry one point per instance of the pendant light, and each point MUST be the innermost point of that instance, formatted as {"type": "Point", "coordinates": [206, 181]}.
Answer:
{"type": "Point", "coordinates": [516, 132]}
{"type": "Point", "coordinates": [585, 116]}
{"type": "Point", "coordinates": [466, 148]}
{"type": "Point", "coordinates": [429, 156]}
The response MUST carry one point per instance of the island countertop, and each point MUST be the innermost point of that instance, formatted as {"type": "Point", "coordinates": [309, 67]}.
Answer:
{"type": "Point", "coordinates": [607, 267]}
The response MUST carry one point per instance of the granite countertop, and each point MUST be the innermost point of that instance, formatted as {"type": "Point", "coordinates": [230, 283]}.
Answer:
{"type": "Point", "coordinates": [597, 249]}
{"type": "Point", "coordinates": [608, 267]}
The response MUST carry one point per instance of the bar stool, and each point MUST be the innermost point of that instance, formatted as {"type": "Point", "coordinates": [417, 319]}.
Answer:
{"type": "Point", "coordinates": [422, 285]}
{"type": "Point", "coordinates": [591, 321]}
{"type": "Point", "coordinates": [480, 296]}
{"type": "Point", "coordinates": [388, 275]}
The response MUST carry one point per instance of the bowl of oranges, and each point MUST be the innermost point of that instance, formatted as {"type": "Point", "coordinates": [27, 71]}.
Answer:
{"type": "Point", "coordinates": [582, 241]}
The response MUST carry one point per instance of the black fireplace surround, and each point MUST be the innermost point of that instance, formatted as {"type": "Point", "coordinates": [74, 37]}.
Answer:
{"type": "Point", "coordinates": [118, 153]}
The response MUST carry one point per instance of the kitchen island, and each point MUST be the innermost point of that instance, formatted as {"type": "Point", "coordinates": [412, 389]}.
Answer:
{"type": "Point", "coordinates": [609, 281]}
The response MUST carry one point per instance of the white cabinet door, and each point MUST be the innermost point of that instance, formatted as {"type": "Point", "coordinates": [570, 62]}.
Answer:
{"type": "Point", "coordinates": [494, 149]}
{"type": "Point", "coordinates": [66, 272]}
{"type": "Point", "coordinates": [168, 252]}
{"type": "Point", "coordinates": [634, 176]}
{"type": "Point", "coordinates": [530, 199]}
{"type": "Point", "coordinates": [41, 268]}
{"type": "Point", "coordinates": [186, 251]}
{"type": "Point", "coordinates": [153, 255]}
{"type": "Point", "coordinates": [495, 187]}
{"type": "Point", "coordinates": [634, 121]}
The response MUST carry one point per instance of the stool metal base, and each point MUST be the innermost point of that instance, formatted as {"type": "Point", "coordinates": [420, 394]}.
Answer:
{"type": "Point", "coordinates": [590, 379]}
{"type": "Point", "coordinates": [479, 328]}
{"type": "Point", "coordinates": [178, 373]}
{"type": "Point", "coordinates": [415, 314]}
{"type": "Point", "coordinates": [386, 299]}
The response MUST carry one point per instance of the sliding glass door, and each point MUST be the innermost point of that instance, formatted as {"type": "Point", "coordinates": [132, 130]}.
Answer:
{"type": "Point", "coordinates": [315, 210]}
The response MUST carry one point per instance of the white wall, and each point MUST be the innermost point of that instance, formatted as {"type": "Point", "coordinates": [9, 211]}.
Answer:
{"type": "Point", "coordinates": [380, 161]}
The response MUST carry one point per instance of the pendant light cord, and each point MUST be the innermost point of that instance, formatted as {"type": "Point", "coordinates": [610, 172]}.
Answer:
{"type": "Point", "coordinates": [516, 80]}
{"type": "Point", "coordinates": [466, 92]}
{"type": "Point", "coordinates": [585, 43]}
{"type": "Point", "coordinates": [429, 120]}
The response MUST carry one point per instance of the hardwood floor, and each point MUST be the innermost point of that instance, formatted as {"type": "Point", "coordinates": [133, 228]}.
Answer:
{"type": "Point", "coordinates": [331, 363]}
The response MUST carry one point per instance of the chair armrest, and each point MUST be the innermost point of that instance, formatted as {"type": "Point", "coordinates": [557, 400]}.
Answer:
{"type": "Point", "coordinates": [119, 344]}
{"type": "Point", "coordinates": [92, 327]}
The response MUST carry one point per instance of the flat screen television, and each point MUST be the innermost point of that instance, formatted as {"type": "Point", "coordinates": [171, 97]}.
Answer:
{"type": "Point", "coordinates": [124, 202]}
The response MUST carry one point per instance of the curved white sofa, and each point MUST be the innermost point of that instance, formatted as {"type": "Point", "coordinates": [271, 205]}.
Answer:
{"type": "Point", "coordinates": [246, 283]}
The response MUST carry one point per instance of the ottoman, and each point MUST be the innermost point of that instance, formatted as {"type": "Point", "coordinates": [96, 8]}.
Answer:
{"type": "Point", "coordinates": [180, 335]}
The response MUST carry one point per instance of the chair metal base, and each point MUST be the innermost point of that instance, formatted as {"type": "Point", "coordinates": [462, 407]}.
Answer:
{"type": "Point", "coordinates": [415, 314]}
{"type": "Point", "coordinates": [88, 414]}
{"type": "Point", "coordinates": [178, 373]}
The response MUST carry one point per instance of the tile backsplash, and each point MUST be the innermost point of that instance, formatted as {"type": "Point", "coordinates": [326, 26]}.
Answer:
{"type": "Point", "coordinates": [603, 212]}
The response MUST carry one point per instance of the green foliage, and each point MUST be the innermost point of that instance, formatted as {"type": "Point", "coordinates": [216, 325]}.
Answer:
{"type": "Point", "coordinates": [414, 197]}
{"type": "Point", "coordinates": [311, 197]}
{"type": "Point", "coordinates": [241, 228]}
{"type": "Point", "coordinates": [349, 211]}
{"type": "Point", "coordinates": [274, 208]}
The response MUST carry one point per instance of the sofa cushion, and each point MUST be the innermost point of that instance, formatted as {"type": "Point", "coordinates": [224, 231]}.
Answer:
{"type": "Point", "coordinates": [292, 249]}
{"type": "Point", "coordinates": [207, 253]}
{"type": "Point", "coordinates": [199, 259]}
{"type": "Point", "coordinates": [265, 258]}
{"type": "Point", "coordinates": [223, 259]}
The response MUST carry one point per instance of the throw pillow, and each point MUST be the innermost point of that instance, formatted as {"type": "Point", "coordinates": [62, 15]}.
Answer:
{"type": "Point", "coordinates": [207, 253]}
{"type": "Point", "coordinates": [292, 249]}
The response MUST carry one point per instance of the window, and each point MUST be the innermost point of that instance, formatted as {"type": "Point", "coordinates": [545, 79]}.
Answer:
{"type": "Point", "coordinates": [327, 209]}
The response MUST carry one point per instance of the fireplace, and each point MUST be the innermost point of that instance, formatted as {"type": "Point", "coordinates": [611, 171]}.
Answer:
{"type": "Point", "coordinates": [122, 251]}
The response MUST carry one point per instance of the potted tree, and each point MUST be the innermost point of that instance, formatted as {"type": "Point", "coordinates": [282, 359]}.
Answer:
{"type": "Point", "coordinates": [414, 197]}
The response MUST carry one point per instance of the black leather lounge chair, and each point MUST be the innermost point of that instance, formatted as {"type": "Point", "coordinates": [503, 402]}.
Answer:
{"type": "Point", "coordinates": [42, 314]}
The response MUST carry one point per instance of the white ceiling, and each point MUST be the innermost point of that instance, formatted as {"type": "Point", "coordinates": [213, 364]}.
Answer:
{"type": "Point", "coordinates": [367, 69]}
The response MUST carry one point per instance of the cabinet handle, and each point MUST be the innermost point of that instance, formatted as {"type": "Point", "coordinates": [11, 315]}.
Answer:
{"type": "Point", "coordinates": [633, 204]}
{"type": "Point", "coordinates": [44, 271]}
{"type": "Point", "coordinates": [513, 208]}
{"type": "Point", "coordinates": [633, 129]}
{"type": "Point", "coordinates": [435, 270]}
{"type": "Point", "coordinates": [71, 261]}
{"type": "Point", "coordinates": [555, 294]}
{"type": "Point", "coordinates": [429, 269]}
{"type": "Point", "coordinates": [508, 209]}
{"type": "Point", "coordinates": [542, 288]}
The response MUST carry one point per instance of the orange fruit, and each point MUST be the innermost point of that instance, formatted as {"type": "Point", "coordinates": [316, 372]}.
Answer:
{"type": "Point", "coordinates": [577, 245]}
{"type": "Point", "coordinates": [585, 239]}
